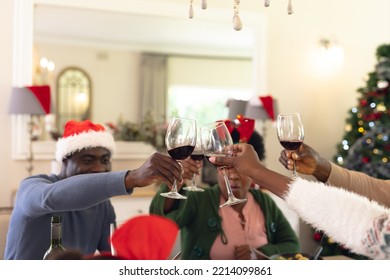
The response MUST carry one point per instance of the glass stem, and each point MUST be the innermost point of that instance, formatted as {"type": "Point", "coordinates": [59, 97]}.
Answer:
{"type": "Point", "coordinates": [174, 186]}
{"type": "Point", "coordinates": [294, 170]}
{"type": "Point", "coordinates": [193, 180]}
{"type": "Point", "coordinates": [227, 183]}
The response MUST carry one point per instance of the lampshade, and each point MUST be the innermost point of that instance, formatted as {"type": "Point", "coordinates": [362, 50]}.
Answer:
{"type": "Point", "coordinates": [256, 112]}
{"type": "Point", "coordinates": [236, 107]}
{"type": "Point", "coordinates": [32, 100]}
{"type": "Point", "coordinates": [263, 109]}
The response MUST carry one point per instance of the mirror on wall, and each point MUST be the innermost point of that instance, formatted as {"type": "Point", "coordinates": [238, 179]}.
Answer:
{"type": "Point", "coordinates": [113, 30]}
{"type": "Point", "coordinates": [74, 95]}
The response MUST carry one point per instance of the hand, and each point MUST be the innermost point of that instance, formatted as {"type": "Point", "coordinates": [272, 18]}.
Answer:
{"type": "Point", "coordinates": [190, 167]}
{"type": "Point", "coordinates": [242, 252]}
{"type": "Point", "coordinates": [244, 159]}
{"type": "Point", "coordinates": [307, 161]}
{"type": "Point", "coordinates": [157, 167]}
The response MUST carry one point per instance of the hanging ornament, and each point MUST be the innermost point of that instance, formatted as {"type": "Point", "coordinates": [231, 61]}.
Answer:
{"type": "Point", "coordinates": [266, 3]}
{"type": "Point", "coordinates": [317, 236]}
{"type": "Point", "coordinates": [237, 23]}
{"type": "Point", "coordinates": [381, 107]}
{"type": "Point", "coordinates": [365, 159]}
{"type": "Point", "coordinates": [204, 4]}
{"type": "Point", "coordinates": [382, 84]}
{"type": "Point", "coordinates": [289, 8]}
{"type": "Point", "coordinates": [191, 12]}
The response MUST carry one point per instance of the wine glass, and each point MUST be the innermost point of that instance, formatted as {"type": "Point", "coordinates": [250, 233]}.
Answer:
{"type": "Point", "coordinates": [196, 155]}
{"type": "Point", "coordinates": [180, 140]}
{"type": "Point", "coordinates": [217, 142]}
{"type": "Point", "coordinates": [290, 133]}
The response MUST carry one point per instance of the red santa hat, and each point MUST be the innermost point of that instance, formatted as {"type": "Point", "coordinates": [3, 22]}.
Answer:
{"type": "Point", "coordinates": [145, 237]}
{"type": "Point", "coordinates": [241, 129]}
{"type": "Point", "coordinates": [83, 135]}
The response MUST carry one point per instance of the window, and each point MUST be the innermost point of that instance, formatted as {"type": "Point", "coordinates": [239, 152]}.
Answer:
{"type": "Point", "coordinates": [73, 96]}
{"type": "Point", "coordinates": [205, 104]}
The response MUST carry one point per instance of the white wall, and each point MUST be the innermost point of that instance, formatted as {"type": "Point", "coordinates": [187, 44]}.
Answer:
{"type": "Point", "coordinates": [114, 75]}
{"type": "Point", "coordinates": [210, 72]}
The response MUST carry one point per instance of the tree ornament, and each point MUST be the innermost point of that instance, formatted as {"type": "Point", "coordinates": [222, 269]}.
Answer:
{"type": "Point", "coordinates": [382, 84]}
{"type": "Point", "coordinates": [317, 236]}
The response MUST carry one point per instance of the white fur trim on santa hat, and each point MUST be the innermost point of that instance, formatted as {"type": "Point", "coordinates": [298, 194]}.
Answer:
{"type": "Point", "coordinates": [91, 139]}
{"type": "Point", "coordinates": [345, 216]}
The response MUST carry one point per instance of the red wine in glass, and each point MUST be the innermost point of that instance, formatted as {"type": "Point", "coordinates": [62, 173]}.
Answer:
{"type": "Point", "coordinates": [197, 157]}
{"type": "Point", "coordinates": [291, 145]}
{"type": "Point", "coordinates": [180, 153]}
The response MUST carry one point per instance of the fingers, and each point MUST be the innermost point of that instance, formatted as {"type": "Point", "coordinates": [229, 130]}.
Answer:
{"type": "Point", "coordinates": [190, 167]}
{"type": "Point", "coordinates": [157, 168]}
{"type": "Point", "coordinates": [221, 161]}
{"type": "Point", "coordinates": [242, 252]}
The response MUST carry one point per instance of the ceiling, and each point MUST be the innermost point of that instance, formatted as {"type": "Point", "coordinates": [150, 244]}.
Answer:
{"type": "Point", "coordinates": [163, 28]}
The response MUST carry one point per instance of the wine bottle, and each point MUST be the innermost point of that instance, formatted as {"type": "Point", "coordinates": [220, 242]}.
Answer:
{"type": "Point", "coordinates": [56, 239]}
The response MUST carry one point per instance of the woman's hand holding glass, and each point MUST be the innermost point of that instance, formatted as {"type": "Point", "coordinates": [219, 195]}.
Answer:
{"type": "Point", "coordinates": [217, 142]}
{"type": "Point", "coordinates": [290, 133]}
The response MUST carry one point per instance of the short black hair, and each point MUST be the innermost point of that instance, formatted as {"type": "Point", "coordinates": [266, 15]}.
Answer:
{"type": "Point", "coordinates": [256, 140]}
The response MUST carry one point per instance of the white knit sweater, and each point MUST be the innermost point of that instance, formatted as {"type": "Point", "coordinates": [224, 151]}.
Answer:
{"type": "Point", "coordinates": [359, 224]}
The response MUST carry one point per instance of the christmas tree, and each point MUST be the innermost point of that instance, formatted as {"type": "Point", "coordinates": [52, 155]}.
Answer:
{"type": "Point", "coordinates": [365, 145]}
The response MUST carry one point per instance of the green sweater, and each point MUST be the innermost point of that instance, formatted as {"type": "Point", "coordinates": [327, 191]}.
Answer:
{"type": "Point", "coordinates": [200, 223]}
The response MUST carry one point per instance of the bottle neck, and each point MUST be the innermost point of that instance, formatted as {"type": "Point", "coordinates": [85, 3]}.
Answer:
{"type": "Point", "coordinates": [56, 234]}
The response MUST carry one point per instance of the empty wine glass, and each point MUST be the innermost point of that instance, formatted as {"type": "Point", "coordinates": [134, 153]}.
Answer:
{"type": "Point", "coordinates": [217, 142]}
{"type": "Point", "coordinates": [180, 140]}
{"type": "Point", "coordinates": [196, 155]}
{"type": "Point", "coordinates": [290, 133]}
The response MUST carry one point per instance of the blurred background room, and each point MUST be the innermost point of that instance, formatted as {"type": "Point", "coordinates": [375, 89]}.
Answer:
{"type": "Point", "coordinates": [133, 64]}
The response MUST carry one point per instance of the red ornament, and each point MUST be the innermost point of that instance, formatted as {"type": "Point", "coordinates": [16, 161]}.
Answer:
{"type": "Point", "coordinates": [365, 159]}
{"type": "Point", "coordinates": [363, 102]}
{"type": "Point", "coordinates": [317, 236]}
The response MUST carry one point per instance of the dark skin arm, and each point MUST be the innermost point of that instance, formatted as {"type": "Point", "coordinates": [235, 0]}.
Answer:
{"type": "Point", "coordinates": [246, 161]}
{"type": "Point", "coordinates": [156, 168]}
{"type": "Point", "coordinates": [307, 161]}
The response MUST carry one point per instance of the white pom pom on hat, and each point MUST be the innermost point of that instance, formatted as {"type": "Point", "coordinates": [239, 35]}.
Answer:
{"type": "Point", "coordinates": [83, 135]}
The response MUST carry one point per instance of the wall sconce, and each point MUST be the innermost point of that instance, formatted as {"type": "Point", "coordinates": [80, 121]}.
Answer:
{"type": "Point", "coordinates": [44, 71]}
{"type": "Point", "coordinates": [328, 57]}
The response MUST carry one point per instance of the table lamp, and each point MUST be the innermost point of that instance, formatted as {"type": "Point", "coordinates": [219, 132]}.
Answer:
{"type": "Point", "coordinates": [31, 101]}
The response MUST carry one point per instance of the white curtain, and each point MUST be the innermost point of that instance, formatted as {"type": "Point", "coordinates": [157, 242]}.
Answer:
{"type": "Point", "coordinates": [153, 87]}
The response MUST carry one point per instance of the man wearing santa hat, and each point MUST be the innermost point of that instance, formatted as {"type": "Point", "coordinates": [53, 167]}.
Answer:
{"type": "Point", "coordinates": [79, 194]}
